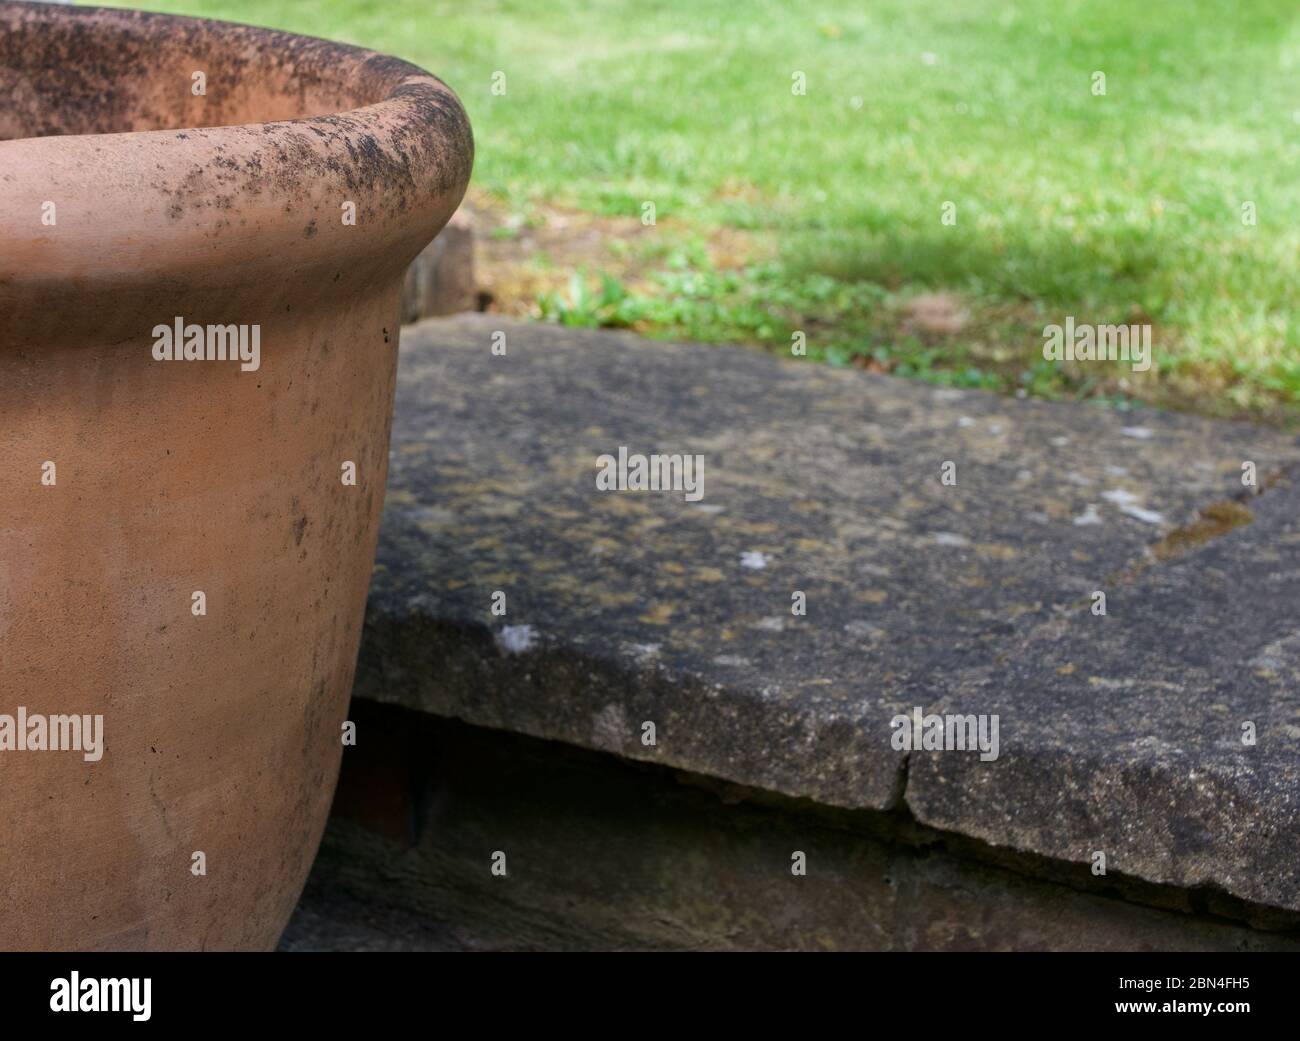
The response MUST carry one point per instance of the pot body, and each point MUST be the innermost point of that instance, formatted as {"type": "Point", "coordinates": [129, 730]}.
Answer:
{"type": "Point", "coordinates": [221, 729]}
{"type": "Point", "coordinates": [186, 545]}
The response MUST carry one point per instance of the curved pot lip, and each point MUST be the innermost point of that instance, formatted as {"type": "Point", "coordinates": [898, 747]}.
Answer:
{"type": "Point", "coordinates": [227, 207]}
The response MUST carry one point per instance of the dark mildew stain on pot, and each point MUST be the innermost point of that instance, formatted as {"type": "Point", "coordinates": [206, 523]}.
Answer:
{"type": "Point", "coordinates": [288, 116]}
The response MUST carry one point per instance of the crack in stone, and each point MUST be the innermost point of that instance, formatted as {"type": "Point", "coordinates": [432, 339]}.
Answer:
{"type": "Point", "coordinates": [898, 796]}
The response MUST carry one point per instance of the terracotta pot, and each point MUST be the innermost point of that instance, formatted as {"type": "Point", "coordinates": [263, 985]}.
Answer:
{"type": "Point", "coordinates": [129, 202]}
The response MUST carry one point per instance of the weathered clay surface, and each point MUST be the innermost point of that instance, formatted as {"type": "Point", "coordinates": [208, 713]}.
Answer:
{"type": "Point", "coordinates": [221, 731]}
{"type": "Point", "coordinates": [626, 607]}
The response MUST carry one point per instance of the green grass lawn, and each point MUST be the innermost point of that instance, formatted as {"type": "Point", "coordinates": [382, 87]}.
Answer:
{"type": "Point", "coordinates": [1122, 207]}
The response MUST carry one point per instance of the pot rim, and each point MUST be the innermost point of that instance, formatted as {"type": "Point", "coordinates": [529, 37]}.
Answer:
{"type": "Point", "coordinates": [229, 206]}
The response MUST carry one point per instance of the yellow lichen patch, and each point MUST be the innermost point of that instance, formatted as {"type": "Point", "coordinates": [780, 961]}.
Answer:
{"type": "Point", "coordinates": [623, 505]}
{"type": "Point", "coordinates": [755, 528]}
{"type": "Point", "coordinates": [1016, 610]}
{"type": "Point", "coordinates": [502, 508]}
{"type": "Point", "coordinates": [592, 595]}
{"type": "Point", "coordinates": [659, 614]}
{"type": "Point", "coordinates": [996, 550]}
{"type": "Point", "coordinates": [479, 489]}
{"type": "Point", "coordinates": [645, 526]}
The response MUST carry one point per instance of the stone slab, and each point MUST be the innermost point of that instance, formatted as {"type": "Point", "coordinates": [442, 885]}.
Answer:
{"type": "Point", "coordinates": [625, 607]}
{"type": "Point", "coordinates": [1165, 734]}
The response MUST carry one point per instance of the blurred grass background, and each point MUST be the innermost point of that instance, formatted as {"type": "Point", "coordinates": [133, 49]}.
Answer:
{"type": "Point", "coordinates": [1125, 207]}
